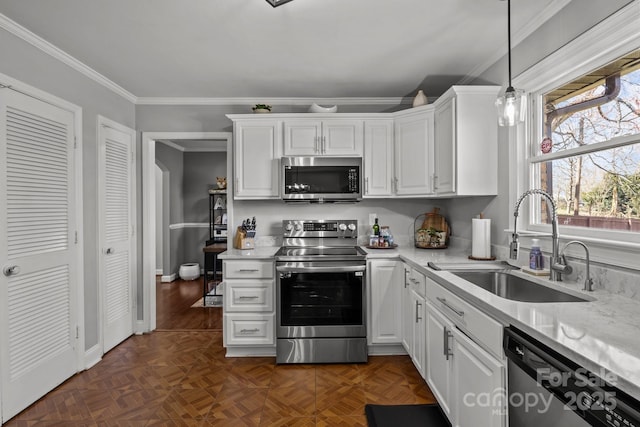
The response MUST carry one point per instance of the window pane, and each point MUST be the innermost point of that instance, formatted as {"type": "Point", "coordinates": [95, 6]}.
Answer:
{"type": "Point", "coordinates": [596, 190]}
{"type": "Point", "coordinates": [601, 110]}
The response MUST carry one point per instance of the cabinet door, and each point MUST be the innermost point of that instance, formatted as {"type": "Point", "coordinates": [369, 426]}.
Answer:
{"type": "Point", "coordinates": [439, 365]}
{"type": "Point", "coordinates": [302, 137]}
{"type": "Point", "coordinates": [444, 179]}
{"type": "Point", "coordinates": [413, 154]}
{"type": "Point", "coordinates": [342, 137]}
{"type": "Point", "coordinates": [378, 158]}
{"type": "Point", "coordinates": [257, 159]}
{"type": "Point", "coordinates": [478, 383]}
{"type": "Point", "coordinates": [418, 312]}
{"type": "Point", "coordinates": [385, 290]}
{"type": "Point", "coordinates": [407, 318]}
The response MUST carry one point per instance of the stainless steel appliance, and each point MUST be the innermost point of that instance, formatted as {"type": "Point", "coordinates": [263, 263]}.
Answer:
{"type": "Point", "coordinates": [320, 307]}
{"type": "Point", "coordinates": [547, 389]}
{"type": "Point", "coordinates": [321, 179]}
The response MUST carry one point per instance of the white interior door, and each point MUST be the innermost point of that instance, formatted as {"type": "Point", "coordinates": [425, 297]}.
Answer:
{"type": "Point", "coordinates": [38, 249]}
{"type": "Point", "coordinates": [117, 258]}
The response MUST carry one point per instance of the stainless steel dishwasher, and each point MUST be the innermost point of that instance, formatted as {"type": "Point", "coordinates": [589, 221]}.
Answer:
{"type": "Point", "coordinates": [546, 389]}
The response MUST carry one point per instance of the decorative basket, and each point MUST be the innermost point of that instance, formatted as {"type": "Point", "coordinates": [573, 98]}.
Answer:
{"type": "Point", "coordinates": [431, 230]}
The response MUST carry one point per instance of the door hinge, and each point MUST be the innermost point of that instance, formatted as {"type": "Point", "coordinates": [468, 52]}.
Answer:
{"type": "Point", "coordinates": [133, 230]}
{"type": "Point", "coordinates": [76, 238]}
{"type": "Point", "coordinates": [77, 331]}
{"type": "Point", "coordinates": [75, 142]}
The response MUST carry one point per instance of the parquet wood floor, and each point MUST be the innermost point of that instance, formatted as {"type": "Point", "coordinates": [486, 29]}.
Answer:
{"type": "Point", "coordinates": [182, 378]}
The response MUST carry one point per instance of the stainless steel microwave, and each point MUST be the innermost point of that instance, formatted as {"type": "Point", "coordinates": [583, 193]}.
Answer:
{"type": "Point", "coordinates": [321, 179]}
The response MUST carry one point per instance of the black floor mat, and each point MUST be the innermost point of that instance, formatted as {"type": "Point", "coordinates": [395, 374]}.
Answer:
{"type": "Point", "coordinates": [405, 416]}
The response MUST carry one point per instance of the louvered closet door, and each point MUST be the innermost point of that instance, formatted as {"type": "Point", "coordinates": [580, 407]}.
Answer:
{"type": "Point", "coordinates": [117, 264]}
{"type": "Point", "coordinates": [37, 249]}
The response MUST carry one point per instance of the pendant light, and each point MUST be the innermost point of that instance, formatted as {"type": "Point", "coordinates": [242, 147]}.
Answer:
{"type": "Point", "coordinates": [276, 3]}
{"type": "Point", "coordinates": [511, 104]}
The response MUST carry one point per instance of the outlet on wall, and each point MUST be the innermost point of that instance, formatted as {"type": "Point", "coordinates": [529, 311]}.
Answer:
{"type": "Point", "coordinates": [372, 218]}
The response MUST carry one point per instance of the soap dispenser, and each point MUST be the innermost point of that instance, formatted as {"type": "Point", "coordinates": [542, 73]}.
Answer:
{"type": "Point", "coordinates": [536, 260]}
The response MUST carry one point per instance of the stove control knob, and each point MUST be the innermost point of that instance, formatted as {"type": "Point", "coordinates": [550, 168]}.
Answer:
{"type": "Point", "coordinates": [298, 227]}
{"type": "Point", "coordinates": [288, 227]}
{"type": "Point", "coordinates": [342, 227]}
{"type": "Point", "coordinates": [352, 227]}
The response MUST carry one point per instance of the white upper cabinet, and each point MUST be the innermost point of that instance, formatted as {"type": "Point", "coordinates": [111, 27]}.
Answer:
{"type": "Point", "coordinates": [466, 142]}
{"type": "Point", "coordinates": [413, 152]}
{"type": "Point", "coordinates": [256, 154]}
{"type": "Point", "coordinates": [378, 158]}
{"type": "Point", "coordinates": [329, 137]}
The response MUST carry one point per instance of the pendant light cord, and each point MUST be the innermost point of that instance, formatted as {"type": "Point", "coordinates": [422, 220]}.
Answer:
{"type": "Point", "coordinates": [509, 41]}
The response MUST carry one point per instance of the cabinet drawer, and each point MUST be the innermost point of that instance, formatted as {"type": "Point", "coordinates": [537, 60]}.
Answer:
{"type": "Point", "coordinates": [236, 269]}
{"type": "Point", "coordinates": [248, 295]}
{"type": "Point", "coordinates": [484, 330]}
{"type": "Point", "coordinates": [249, 329]}
{"type": "Point", "coordinates": [418, 282]}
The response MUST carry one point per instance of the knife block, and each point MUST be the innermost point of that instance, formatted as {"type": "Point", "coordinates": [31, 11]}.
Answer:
{"type": "Point", "coordinates": [242, 241]}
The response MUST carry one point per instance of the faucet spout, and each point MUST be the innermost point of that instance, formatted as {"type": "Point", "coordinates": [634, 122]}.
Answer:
{"type": "Point", "coordinates": [562, 265]}
{"type": "Point", "coordinates": [514, 246]}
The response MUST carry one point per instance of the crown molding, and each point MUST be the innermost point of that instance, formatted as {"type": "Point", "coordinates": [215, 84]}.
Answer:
{"type": "Point", "coordinates": [270, 101]}
{"type": "Point", "coordinates": [62, 56]}
{"type": "Point", "coordinates": [523, 32]}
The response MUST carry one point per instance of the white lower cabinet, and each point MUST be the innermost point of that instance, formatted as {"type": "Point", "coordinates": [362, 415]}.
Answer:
{"type": "Point", "coordinates": [468, 381]}
{"type": "Point", "coordinates": [248, 309]}
{"type": "Point", "coordinates": [478, 381]}
{"type": "Point", "coordinates": [385, 278]}
{"type": "Point", "coordinates": [414, 318]}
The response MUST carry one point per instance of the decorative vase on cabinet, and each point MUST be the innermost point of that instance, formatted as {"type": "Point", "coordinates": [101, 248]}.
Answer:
{"type": "Point", "coordinates": [420, 99]}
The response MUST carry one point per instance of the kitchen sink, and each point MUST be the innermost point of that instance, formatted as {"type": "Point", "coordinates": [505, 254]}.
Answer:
{"type": "Point", "coordinates": [507, 285]}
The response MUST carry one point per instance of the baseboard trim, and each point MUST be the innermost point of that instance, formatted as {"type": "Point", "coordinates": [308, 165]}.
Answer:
{"type": "Point", "coordinates": [159, 272]}
{"type": "Point", "coordinates": [140, 327]}
{"type": "Point", "coordinates": [92, 356]}
{"type": "Point", "coordinates": [386, 350]}
{"type": "Point", "coordinates": [251, 352]}
{"type": "Point", "coordinates": [169, 278]}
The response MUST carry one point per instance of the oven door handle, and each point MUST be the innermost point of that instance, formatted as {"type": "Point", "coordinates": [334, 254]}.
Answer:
{"type": "Point", "coordinates": [320, 269]}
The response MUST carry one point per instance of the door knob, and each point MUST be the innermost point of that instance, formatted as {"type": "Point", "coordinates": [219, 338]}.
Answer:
{"type": "Point", "coordinates": [11, 270]}
{"type": "Point", "coordinates": [109, 251]}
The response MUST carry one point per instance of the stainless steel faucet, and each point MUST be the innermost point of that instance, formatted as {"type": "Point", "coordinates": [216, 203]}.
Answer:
{"type": "Point", "coordinates": [563, 267]}
{"type": "Point", "coordinates": [513, 247]}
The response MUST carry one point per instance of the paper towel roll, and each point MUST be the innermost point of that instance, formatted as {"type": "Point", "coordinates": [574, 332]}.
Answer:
{"type": "Point", "coordinates": [481, 238]}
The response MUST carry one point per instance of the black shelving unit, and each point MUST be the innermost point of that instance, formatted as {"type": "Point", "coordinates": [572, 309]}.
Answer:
{"type": "Point", "coordinates": [217, 216]}
{"type": "Point", "coordinates": [216, 243]}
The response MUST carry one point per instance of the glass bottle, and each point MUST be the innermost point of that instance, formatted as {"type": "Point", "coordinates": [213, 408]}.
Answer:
{"type": "Point", "coordinates": [376, 228]}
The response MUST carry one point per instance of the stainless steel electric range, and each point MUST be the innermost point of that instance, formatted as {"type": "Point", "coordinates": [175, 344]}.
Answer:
{"type": "Point", "coordinates": [321, 298]}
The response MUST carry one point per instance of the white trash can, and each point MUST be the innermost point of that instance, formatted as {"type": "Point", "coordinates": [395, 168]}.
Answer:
{"type": "Point", "coordinates": [190, 271]}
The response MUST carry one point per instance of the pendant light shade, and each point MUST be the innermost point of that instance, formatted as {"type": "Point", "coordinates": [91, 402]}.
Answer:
{"type": "Point", "coordinates": [511, 107]}
{"type": "Point", "coordinates": [511, 104]}
{"type": "Point", "coordinates": [276, 3]}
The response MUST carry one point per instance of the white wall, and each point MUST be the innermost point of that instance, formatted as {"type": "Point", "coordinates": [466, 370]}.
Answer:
{"type": "Point", "coordinates": [30, 65]}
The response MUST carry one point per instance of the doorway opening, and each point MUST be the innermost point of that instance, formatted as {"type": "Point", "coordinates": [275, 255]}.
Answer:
{"type": "Point", "coordinates": [186, 165]}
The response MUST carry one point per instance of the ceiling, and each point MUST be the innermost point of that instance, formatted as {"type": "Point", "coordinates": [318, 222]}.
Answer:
{"type": "Point", "coordinates": [315, 49]}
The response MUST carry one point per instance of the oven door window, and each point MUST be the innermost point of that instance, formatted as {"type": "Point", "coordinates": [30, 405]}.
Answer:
{"type": "Point", "coordinates": [312, 299]}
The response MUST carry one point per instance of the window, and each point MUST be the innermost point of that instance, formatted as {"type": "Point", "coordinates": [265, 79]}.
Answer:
{"type": "Point", "coordinates": [589, 158]}
{"type": "Point", "coordinates": [595, 145]}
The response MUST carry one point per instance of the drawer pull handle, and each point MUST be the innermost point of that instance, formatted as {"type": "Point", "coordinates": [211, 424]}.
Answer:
{"type": "Point", "coordinates": [249, 331]}
{"type": "Point", "coordinates": [248, 297]}
{"type": "Point", "coordinates": [248, 270]}
{"type": "Point", "coordinates": [450, 307]}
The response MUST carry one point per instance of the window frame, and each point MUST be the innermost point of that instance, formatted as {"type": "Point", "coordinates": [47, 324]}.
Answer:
{"type": "Point", "coordinates": [605, 42]}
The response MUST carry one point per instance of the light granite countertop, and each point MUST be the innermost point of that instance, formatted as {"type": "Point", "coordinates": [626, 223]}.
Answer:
{"type": "Point", "coordinates": [600, 335]}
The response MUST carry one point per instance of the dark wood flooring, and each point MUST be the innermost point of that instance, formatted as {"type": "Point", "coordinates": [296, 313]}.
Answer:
{"type": "Point", "coordinates": [174, 311]}
{"type": "Point", "coordinates": [180, 377]}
